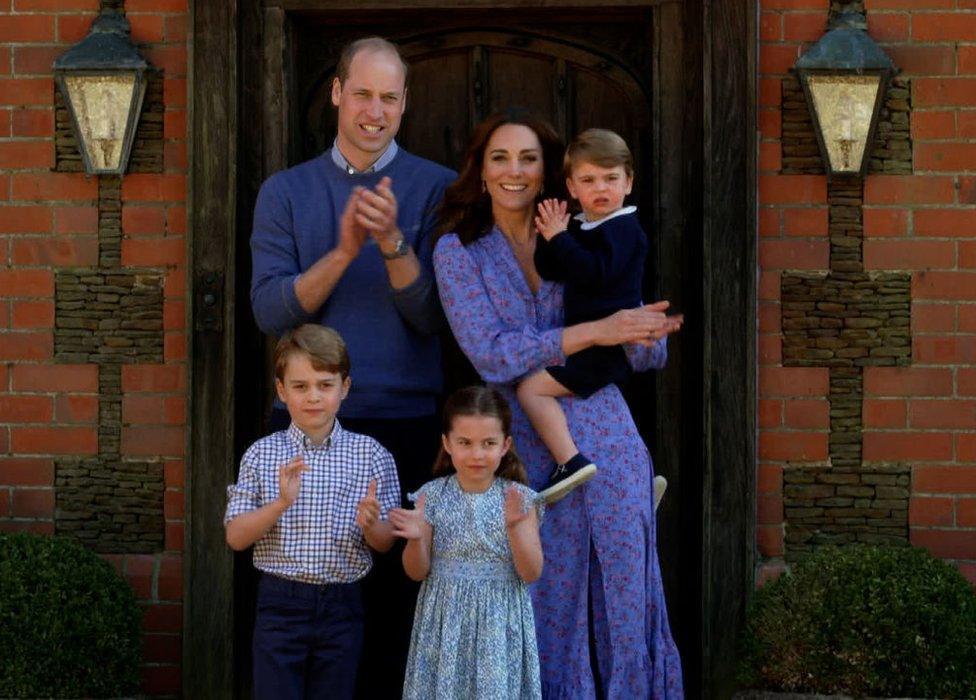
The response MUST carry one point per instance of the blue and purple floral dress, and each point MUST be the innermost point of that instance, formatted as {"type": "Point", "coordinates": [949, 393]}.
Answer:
{"type": "Point", "coordinates": [600, 541]}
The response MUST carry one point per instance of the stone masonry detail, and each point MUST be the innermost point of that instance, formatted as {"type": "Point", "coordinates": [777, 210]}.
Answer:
{"type": "Point", "coordinates": [845, 319]}
{"type": "Point", "coordinates": [109, 316]}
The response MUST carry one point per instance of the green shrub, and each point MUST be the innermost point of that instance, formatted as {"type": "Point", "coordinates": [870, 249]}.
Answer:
{"type": "Point", "coordinates": [69, 624]}
{"type": "Point", "coordinates": [859, 620]}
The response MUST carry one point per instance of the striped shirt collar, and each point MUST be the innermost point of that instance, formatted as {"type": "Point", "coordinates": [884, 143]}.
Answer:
{"type": "Point", "coordinates": [384, 160]}
{"type": "Point", "coordinates": [302, 441]}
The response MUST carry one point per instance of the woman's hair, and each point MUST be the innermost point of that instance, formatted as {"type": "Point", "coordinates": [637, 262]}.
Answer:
{"type": "Point", "coordinates": [600, 147]}
{"type": "Point", "coordinates": [466, 209]}
{"type": "Point", "coordinates": [480, 401]}
{"type": "Point", "coordinates": [323, 347]}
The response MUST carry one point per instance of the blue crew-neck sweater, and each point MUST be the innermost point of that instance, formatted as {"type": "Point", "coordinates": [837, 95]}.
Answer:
{"type": "Point", "coordinates": [391, 334]}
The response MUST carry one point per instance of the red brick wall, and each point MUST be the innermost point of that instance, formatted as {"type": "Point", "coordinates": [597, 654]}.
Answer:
{"type": "Point", "coordinates": [925, 223]}
{"type": "Point", "coordinates": [48, 220]}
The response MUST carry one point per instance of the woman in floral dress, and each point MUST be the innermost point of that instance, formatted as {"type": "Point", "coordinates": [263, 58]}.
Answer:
{"type": "Point", "coordinates": [601, 581]}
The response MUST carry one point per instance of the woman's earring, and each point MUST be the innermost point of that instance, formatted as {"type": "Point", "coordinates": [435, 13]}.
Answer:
{"type": "Point", "coordinates": [542, 190]}
{"type": "Point", "coordinates": [484, 187]}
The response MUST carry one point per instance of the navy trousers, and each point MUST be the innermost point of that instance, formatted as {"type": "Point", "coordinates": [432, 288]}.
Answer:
{"type": "Point", "coordinates": [307, 639]}
{"type": "Point", "coordinates": [389, 596]}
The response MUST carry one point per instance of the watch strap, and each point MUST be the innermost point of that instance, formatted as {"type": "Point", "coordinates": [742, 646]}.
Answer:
{"type": "Point", "coordinates": [401, 249]}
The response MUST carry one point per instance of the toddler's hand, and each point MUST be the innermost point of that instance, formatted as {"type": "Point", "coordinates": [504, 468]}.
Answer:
{"type": "Point", "coordinates": [290, 479]}
{"type": "Point", "coordinates": [410, 524]}
{"type": "Point", "coordinates": [515, 511]}
{"type": "Point", "coordinates": [368, 510]}
{"type": "Point", "coordinates": [552, 219]}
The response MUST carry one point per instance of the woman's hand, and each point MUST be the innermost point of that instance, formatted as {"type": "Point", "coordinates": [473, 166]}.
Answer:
{"type": "Point", "coordinates": [410, 524]}
{"type": "Point", "coordinates": [643, 325]}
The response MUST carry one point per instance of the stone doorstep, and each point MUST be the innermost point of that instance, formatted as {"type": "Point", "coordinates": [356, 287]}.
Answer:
{"type": "Point", "coordinates": [769, 695]}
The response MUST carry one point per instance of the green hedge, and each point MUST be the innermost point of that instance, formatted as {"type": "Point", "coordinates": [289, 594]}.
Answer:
{"type": "Point", "coordinates": [859, 620]}
{"type": "Point", "coordinates": [69, 624]}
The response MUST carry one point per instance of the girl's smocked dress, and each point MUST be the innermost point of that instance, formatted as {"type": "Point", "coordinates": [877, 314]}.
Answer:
{"type": "Point", "coordinates": [473, 632]}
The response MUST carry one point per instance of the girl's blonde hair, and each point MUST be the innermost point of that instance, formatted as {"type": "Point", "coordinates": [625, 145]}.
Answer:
{"type": "Point", "coordinates": [480, 401]}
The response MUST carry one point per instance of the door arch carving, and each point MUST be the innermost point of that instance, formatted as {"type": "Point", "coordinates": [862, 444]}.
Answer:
{"type": "Point", "coordinates": [463, 75]}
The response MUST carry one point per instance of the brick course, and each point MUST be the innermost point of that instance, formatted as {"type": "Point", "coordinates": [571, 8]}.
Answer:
{"type": "Point", "coordinates": [917, 421]}
{"type": "Point", "coordinates": [63, 414]}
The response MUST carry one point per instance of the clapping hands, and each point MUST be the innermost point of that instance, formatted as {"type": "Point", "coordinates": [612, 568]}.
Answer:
{"type": "Point", "coordinates": [369, 213]}
{"type": "Point", "coordinates": [410, 524]}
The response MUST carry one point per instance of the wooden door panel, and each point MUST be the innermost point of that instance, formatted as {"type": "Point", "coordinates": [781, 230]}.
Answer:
{"type": "Point", "coordinates": [439, 112]}
{"type": "Point", "coordinates": [523, 79]}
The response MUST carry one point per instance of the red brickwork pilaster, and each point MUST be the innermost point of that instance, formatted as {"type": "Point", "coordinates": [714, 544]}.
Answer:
{"type": "Point", "coordinates": [48, 221]}
{"type": "Point", "coordinates": [923, 415]}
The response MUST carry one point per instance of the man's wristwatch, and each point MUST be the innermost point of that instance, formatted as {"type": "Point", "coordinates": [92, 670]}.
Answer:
{"type": "Point", "coordinates": [401, 249]}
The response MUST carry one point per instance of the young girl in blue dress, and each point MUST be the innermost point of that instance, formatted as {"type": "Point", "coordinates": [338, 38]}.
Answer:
{"type": "Point", "coordinates": [473, 539]}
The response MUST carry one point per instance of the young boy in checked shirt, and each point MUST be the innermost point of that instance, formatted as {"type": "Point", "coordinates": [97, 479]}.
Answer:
{"type": "Point", "coordinates": [313, 500]}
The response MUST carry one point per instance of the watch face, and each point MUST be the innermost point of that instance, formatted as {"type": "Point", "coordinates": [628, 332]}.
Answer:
{"type": "Point", "coordinates": [401, 249]}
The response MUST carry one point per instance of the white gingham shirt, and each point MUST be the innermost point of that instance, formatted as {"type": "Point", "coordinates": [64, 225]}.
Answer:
{"type": "Point", "coordinates": [316, 540]}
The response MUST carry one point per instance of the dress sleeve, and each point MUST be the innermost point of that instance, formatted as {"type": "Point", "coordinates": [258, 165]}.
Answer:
{"type": "Point", "coordinates": [643, 358]}
{"type": "Point", "coordinates": [432, 491]}
{"type": "Point", "coordinates": [531, 499]}
{"type": "Point", "coordinates": [500, 352]}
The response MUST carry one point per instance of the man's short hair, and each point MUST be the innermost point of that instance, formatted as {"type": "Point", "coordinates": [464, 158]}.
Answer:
{"type": "Point", "coordinates": [324, 348]}
{"type": "Point", "coordinates": [600, 147]}
{"type": "Point", "coordinates": [376, 44]}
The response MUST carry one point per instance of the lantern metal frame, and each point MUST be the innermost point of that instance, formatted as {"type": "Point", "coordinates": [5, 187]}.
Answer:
{"type": "Point", "coordinates": [106, 51]}
{"type": "Point", "coordinates": [845, 50]}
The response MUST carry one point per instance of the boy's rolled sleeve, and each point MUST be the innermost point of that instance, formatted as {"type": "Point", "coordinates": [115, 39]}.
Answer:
{"type": "Point", "coordinates": [245, 495]}
{"type": "Point", "coordinates": [387, 483]}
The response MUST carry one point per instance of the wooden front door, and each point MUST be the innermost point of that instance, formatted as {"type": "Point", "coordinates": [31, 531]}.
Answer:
{"type": "Point", "coordinates": [262, 72]}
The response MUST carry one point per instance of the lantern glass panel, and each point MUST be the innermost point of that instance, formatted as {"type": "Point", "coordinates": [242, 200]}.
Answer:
{"type": "Point", "coordinates": [101, 105]}
{"type": "Point", "coordinates": [844, 106]}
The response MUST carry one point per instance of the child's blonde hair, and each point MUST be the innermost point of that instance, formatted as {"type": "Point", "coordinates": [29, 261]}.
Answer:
{"type": "Point", "coordinates": [600, 147]}
{"type": "Point", "coordinates": [480, 401]}
{"type": "Point", "coordinates": [323, 346]}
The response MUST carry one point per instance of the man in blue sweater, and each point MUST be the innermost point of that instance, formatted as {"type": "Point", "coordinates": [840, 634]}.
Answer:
{"type": "Point", "coordinates": [345, 240]}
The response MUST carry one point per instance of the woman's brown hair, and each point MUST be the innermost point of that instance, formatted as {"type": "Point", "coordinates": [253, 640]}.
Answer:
{"type": "Point", "coordinates": [466, 209]}
{"type": "Point", "coordinates": [480, 401]}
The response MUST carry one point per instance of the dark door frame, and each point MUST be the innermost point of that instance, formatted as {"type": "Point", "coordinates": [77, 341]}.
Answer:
{"type": "Point", "coordinates": [705, 134]}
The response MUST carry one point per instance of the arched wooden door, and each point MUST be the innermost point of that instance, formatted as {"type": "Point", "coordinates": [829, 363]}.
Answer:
{"type": "Point", "coordinates": [675, 77]}
{"type": "Point", "coordinates": [459, 76]}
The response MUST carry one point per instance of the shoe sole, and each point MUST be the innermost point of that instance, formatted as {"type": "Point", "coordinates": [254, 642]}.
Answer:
{"type": "Point", "coordinates": [660, 486]}
{"type": "Point", "coordinates": [560, 490]}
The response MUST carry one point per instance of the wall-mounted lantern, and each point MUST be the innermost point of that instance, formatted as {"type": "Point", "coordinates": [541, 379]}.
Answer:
{"type": "Point", "coordinates": [102, 79]}
{"type": "Point", "coordinates": [844, 77]}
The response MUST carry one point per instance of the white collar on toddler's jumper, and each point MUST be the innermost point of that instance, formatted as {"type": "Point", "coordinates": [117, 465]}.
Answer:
{"type": "Point", "coordinates": [587, 225]}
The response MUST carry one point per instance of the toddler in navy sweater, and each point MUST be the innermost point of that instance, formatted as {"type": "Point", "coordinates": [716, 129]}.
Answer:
{"type": "Point", "coordinates": [599, 255]}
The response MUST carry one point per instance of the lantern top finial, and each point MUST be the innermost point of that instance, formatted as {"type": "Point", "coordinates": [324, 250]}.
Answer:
{"type": "Point", "coordinates": [107, 47]}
